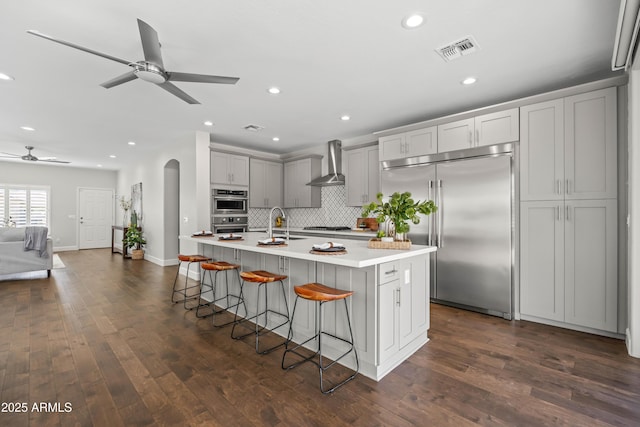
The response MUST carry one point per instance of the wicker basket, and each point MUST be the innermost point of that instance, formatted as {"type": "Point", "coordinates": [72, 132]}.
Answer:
{"type": "Point", "coordinates": [137, 254]}
{"type": "Point", "coordinates": [396, 244]}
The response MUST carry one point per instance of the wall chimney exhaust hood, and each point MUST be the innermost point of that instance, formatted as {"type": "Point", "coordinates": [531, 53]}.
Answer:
{"type": "Point", "coordinates": [334, 177]}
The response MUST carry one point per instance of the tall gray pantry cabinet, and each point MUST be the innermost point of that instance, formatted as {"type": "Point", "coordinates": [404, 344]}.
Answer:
{"type": "Point", "coordinates": [568, 211]}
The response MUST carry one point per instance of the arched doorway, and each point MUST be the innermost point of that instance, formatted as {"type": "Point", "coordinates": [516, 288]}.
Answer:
{"type": "Point", "coordinates": [171, 211]}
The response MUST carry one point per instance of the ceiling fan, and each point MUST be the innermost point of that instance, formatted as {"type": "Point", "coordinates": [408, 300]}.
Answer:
{"type": "Point", "coordinates": [151, 69]}
{"type": "Point", "coordinates": [30, 157]}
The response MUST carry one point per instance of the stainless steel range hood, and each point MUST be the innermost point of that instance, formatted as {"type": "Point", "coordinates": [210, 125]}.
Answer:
{"type": "Point", "coordinates": [334, 177]}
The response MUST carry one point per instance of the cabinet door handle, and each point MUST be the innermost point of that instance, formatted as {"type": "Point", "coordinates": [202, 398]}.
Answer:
{"type": "Point", "coordinates": [398, 303]}
{"type": "Point", "coordinates": [568, 213]}
{"type": "Point", "coordinates": [567, 185]}
{"type": "Point", "coordinates": [478, 137]}
{"type": "Point", "coordinates": [558, 190]}
{"type": "Point", "coordinates": [470, 139]}
{"type": "Point", "coordinates": [394, 271]}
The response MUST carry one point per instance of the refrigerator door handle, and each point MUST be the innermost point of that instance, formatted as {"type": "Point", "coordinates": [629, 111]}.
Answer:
{"type": "Point", "coordinates": [430, 220]}
{"type": "Point", "coordinates": [440, 239]}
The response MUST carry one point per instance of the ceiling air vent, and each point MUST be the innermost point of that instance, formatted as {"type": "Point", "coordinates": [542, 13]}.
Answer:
{"type": "Point", "coordinates": [253, 128]}
{"type": "Point", "coordinates": [458, 49]}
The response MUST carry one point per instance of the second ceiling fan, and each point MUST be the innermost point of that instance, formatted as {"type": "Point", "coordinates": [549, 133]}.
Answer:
{"type": "Point", "coordinates": [151, 69]}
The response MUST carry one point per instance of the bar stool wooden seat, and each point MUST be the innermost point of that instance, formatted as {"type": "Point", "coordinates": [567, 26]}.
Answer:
{"type": "Point", "coordinates": [261, 278]}
{"type": "Point", "coordinates": [321, 294]}
{"type": "Point", "coordinates": [216, 267]}
{"type": "Point", "coordinates": [184, 292]}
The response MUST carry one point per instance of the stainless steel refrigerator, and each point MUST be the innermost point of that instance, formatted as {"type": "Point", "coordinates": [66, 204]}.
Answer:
{"type": "Point", "coordinates": [473, 227]}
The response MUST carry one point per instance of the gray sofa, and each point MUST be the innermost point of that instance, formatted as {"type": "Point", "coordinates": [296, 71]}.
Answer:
{"type": "Point", "coordinates": [13, 257]}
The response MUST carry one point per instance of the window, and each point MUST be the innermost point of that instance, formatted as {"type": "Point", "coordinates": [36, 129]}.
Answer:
{"type": "Point", "coordinates": [24, 205]}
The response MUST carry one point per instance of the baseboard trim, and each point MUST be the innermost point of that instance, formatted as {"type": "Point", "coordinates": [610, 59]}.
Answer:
{"type": "Point", "coordinates": [64, 248]}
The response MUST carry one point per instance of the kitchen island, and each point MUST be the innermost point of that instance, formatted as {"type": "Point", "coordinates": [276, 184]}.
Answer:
{"type": "Point", "coordinates": [389, 309]}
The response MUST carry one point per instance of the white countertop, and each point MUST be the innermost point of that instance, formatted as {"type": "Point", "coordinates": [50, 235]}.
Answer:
{"type": "Point", "coordinates": [358, 254]}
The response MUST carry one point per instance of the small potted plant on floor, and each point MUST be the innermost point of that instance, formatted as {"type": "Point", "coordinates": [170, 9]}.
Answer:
{"type": "Point", "coordinates": [397, 212]}
{"type": "Point", "coordinates": [134, 240]}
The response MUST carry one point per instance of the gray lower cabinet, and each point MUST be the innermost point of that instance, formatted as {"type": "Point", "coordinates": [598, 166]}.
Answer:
{"type": "Point", "coordinates": [568, 262]}
{"type": "Point", "coordinates": [403, 298]}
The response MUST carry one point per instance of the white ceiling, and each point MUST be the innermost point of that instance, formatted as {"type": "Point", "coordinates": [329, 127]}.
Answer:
{"type": "Point", "coordinates": [329, 57]}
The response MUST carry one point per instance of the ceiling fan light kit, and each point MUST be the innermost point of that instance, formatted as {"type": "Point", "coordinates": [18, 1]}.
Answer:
{"type": "Point", "coordinates": [151, 69]}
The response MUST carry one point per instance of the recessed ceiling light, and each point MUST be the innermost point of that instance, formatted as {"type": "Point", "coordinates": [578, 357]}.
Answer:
{"type": "Point", "coordinates": [29, 128]}
{"type": "Point", "coordinates": [413, 21]}
{"type": "Point", "coordinates": [208, 123]}
{"type": "Point", "coordinates": [5, 77]}
{"type": "Point", "coordinates": [99, 166]}
{"type": "Point", "coordinates": [275, 138]}
{"type": "Point", "coordinates": [469, 81]}
{"type": "Point", "coordinates": [345, 118]}
{"type": "Point", "coordinates": [113, 156]}
{"type": "Point", "coordinates": [273, 90]}
{"type": "Point", "coordinates": [131, 143]}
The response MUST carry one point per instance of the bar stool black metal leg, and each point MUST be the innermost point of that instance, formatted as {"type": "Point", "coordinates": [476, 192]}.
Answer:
{"type": "Point", "coordinates": [318, 336]}
{"type": "Point", "coordinates": [258, 329]}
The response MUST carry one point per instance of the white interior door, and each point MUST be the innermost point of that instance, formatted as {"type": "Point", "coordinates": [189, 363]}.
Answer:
{"type": "Point", "coordinates": [95, 217]}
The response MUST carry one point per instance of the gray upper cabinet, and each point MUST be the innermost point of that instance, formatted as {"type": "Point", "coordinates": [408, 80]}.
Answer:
{"type": "Point", "coordinates": [265, 183]}
{"type": "Point", "coordinates": [296, 175]}
{"type": "Point", "coordinates": [568, 148]}
{"type": "Point", "coordinates": [591, 145]}
{"type": "Point", "coordinates": [362, 175]}
{"type": "Point", "coordinates": [542, 151]}
{"type": "Point", "coordinates": [486, 129]}
{"type": "Point", "coordinates": [419, 142]}
{"type": "Point", "coordinates": [229, 169]}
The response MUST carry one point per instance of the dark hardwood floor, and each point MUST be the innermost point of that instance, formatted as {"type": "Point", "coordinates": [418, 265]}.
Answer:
{"type": "Point", "coordinates": [100, 344]}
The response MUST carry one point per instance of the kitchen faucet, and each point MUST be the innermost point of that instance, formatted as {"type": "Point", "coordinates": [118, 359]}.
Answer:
{"type": "Point", "coordinates": [270, 231]}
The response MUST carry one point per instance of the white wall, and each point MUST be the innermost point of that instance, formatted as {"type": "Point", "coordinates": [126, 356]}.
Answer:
{"type": "Point", "coordinates": [64, 182]}
{"type": "Point", "coordinates": [150, 171]}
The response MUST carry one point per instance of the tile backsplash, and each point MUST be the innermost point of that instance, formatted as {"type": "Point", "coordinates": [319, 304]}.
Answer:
{"type": "Point", "coordinates": [333, 212]}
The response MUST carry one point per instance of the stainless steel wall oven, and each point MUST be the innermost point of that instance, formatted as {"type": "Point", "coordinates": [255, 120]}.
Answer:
{"type": "Point", "coordinates": [229, 202]}
{"type": "Point", "coordinates": [229, 224]}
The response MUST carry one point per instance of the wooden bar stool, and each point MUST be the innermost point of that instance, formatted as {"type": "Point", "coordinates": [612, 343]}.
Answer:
{"type": "Point", "coordinates": [262, 278]}
{"type": "Point", "coordinates": [320, 294]}
{"type": "Point", "coordinates": [185, 291]}
{"type": "Point", "coordinates": [217, 267]}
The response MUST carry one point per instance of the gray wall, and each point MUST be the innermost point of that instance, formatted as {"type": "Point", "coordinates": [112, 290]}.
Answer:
{"type": "Point", "coordinates": [63, 182]}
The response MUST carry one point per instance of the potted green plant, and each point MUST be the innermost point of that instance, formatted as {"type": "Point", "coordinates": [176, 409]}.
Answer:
{"type": "Point", "coordinates": [134, 240]}
{"type": "Point", "coordinates": [397, 212]}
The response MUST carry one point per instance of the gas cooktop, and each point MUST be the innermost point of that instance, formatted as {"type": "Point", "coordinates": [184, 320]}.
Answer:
{"type": "Point", "coordinates": [325, 228]}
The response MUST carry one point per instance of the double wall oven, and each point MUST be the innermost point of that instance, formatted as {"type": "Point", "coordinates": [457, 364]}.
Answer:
{"type": "Point", "coordinates": [229, 210]}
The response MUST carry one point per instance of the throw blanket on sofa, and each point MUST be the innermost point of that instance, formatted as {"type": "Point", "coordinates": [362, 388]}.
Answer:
{"type": "Point", "coordinates": [35, 238]}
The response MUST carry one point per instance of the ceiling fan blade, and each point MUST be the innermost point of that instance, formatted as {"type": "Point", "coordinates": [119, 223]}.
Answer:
{"type": "Point", "coordinates": [171, 88]}
{"type": "Point", "coordinates": [9, 155]}
{"type": "Point", "coordinates": [75, 46]}
{"type": "Point", "coordinates": [52, 161]}
{"type": "Point", "coordinates": [201, 78]}
{"type": "Point", "coordinates": [127, 77]}
{"type": "Point", "coordinates": [150, 43]}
